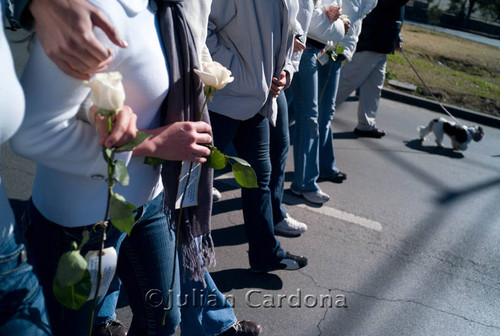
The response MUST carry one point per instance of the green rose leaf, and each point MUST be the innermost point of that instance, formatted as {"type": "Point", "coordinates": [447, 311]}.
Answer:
{"type": "Point", "coordinates": [153, 161]}
{"type": "Point", "coordinates": [70, 268]}
{"type": "Point", "coordinates": [240, 161]}
{"type": "Point", "coordinates": [139, 138]}
{"type": "Point", "coordinates": [122, 213]}
{"type": "Point", "coordinates": [217, 159]}
{"type": "Point", "coordinates": [73, 296]}
{"type": "Point", "coordinates": [244, 174]}
{"type": "Point", "coordinates": [107, 153]}
{"type": "Point", "coordinates": [120, 173]}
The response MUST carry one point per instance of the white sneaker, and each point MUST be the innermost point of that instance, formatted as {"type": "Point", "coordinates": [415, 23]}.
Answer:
{"type": "Point", "coordinates": [290, 227]}
{"type": "Point", "coordinates": [316, 197]}
{"type": "Point", "coordinates": [216, 195]}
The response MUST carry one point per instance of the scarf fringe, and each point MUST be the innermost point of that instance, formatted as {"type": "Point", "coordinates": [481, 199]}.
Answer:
{"type": "Point", "coordinates": [195, 258]}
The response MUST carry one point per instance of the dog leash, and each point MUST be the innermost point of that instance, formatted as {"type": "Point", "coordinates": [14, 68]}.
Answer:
{"type": "Point", "coordinates": [428, 89]}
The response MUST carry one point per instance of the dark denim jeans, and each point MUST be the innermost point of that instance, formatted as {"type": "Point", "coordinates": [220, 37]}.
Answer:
{"type": "Point", "coordinates": [279, 147]}
{"type": "Point", "coordinates": [145, 264]}
{"type": "Point", "coordinates": [22, 305]}
{"type": "Point", "coordinates": [251, 141]}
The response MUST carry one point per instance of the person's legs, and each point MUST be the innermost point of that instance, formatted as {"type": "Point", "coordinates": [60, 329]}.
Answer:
{"type": "Point", "coordinates": [146, 268]}
{"type": "Point", "coordinates": [22, 304]}
{"type": "Point", "coordinates": [107, 312]}
{"type": "Point", "coordinates": [251, 141]}
{"type": "Point", "coordinates": [352, 75]}
{"type": "Point", "coordinates": [305, 137]}
{"type": "Point", "coordinates": [370, 90]}
{"type": "Point", "coordinates": [64, 321]}
{"type": "Point", "coordinates": [252, 144]}
{"type": "Point", "coordinates": [105, 319]}
{"type": "Point", "coordinates": [290, 93]}
{"type": "Point", "coordinates": [279, 146]}
{"type": "Point", "coordinates": [328, 76]}
{"type": "Point", "coordinates": [204, 310]}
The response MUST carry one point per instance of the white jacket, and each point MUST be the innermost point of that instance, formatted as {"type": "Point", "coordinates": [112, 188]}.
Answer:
{"type": "Point", "coordinates": [322, 29]}
{"type": "Point", "coordinates": [356, 10]}
{"type": "Point", "coordinates": [11, 115]}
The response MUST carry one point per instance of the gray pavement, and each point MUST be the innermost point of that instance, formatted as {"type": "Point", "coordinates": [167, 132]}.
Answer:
{"type": "Point", "coordinates": [406, 246]}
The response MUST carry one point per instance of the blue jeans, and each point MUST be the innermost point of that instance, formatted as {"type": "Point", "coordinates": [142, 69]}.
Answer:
{"type": "Point", "coordinates": [107, 310]}
{"type": "Point", "coordinates": [145, 262]}
{"type": "Point", "coordinates": [314, 89]}
{"type": "Point", "coordinates": [204, 310]}
{"type": "Point", "coordinates": [251, 141]}
{"type": "Point", "coordinates": [22, 305]}
{"type": "Point", "coordinates": [279, 146]}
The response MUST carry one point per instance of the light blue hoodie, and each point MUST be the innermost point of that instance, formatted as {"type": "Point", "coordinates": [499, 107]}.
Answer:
{"type": "Point", "coordinates": [253, 40]}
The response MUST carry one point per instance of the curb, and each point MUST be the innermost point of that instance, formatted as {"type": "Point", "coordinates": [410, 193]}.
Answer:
{"type": "Point", "coordinates": [428, 104]}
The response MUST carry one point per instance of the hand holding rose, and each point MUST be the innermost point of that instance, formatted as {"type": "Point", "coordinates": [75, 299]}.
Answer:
{"type": "Point", "coordinates": [180, 141]}
{"type": "Point", "coordinates": [108, 96]}
{"type": "Point", "coordinates": [124, 127]}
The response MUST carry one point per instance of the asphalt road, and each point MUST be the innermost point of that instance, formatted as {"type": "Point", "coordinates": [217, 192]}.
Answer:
{"type": "Point", "coordinates": [407, 245]}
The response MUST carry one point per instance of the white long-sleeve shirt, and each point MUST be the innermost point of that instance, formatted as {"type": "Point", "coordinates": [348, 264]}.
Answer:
{"type": "Point", "coordinates": [356, 10]}
{"type": "Point", "coordinates": [11, 115]}
{"type": "Point", "coordinates": [69, 187]}
{"type": "Point", "coordinates": [322, 29]}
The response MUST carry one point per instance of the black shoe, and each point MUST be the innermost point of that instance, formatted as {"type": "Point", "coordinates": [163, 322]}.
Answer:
{"type": "Point", "coordinates": [112, 328]}
{"type": "Point", "coordinates": [337, 178]}
{"type": "Point", "coordinates": [289, 263]}
{"type": "Point", "coordinates": [243, 328]}
{"type": "Point", "coordinates": [292, 262]}
{"type": "Point", "coordinates": [374, 133]}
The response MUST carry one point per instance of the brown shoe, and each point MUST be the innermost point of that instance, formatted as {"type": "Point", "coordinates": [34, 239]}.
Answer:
{"type": "Point", "coordinates": [243, 328]}
{"type": "Point", "coordinates": [112, 328]}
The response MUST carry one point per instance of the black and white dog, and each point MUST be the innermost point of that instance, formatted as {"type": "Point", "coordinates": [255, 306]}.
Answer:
{"type": "Point", "coordinates": [460, 135]}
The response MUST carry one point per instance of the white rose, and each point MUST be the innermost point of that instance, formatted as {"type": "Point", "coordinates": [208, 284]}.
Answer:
{"type": "Point", "coordinates": [214, 74]}
{"type": "Point", "coordinates": [107, 91]}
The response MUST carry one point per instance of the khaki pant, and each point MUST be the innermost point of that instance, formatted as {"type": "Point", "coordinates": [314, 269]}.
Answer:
{"type": "Point", "coordinates": [365, 71]}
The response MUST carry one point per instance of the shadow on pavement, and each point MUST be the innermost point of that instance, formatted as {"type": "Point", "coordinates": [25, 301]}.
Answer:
{"type": "Point", "coordinates": [416, 144]}
{"type": "Point", "coordinates": [460, 193]}
{"type": "Point", "coordinates": [229, 236]}
{"type": "Point", "coordinates": [290, 198]}
{"type": "Point", "coordinates": [240, 278]}
{"type": "Point", "coordinates": [226, 205]}
{"type": "Point", "coordinates": [345, 135]}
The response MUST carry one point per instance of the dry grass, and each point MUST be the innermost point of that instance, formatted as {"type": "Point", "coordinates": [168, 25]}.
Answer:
{"type": "Point", "coordinates": [458, 71]}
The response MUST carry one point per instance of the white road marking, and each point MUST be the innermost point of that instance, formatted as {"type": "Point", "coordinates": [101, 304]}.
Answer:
{"type": "Point", "coordinates": [324, 210]}
{"type": "Point", "coordinates": [345, 216]}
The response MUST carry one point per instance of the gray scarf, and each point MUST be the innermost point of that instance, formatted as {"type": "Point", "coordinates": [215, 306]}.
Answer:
{"type": "Point", "coordinates": [183, 103]}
